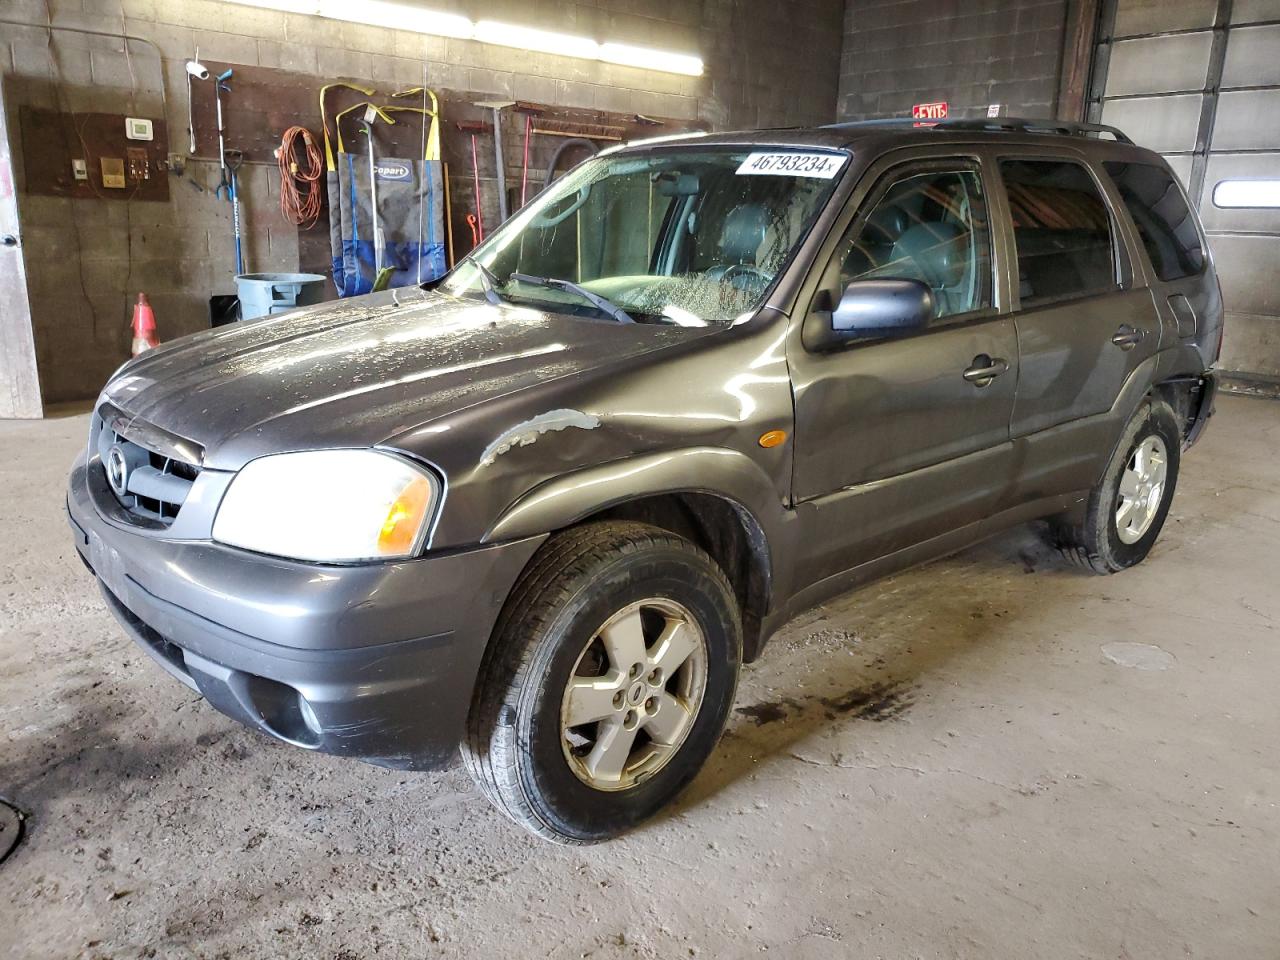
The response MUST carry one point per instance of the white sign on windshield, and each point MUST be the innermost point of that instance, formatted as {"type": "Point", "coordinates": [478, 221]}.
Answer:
{"type": "Point", "coordinates": [823, 165]}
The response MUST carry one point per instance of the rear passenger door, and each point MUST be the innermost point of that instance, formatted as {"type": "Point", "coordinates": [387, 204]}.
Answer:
{"type": "Point", "coordinates": [1082, 329]}
{"type": "Point", "coordinates": [1185, 293]}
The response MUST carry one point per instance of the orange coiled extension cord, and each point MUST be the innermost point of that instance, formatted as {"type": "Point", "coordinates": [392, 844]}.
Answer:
{"type": "Point", "coordinates": [300, 198]}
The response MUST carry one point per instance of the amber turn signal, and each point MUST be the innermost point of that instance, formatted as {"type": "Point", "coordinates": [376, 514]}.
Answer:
{"type": "Point", "coordinates": [774, 438]}
{"type": "Point", "coordinates": [404, 519]}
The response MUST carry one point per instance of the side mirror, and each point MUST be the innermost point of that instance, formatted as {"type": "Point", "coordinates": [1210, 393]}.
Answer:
{"type": "Point", "coordinates": [882, 308]}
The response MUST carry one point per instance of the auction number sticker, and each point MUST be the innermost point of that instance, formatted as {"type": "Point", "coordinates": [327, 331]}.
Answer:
{"type": "Point", "coordinates": [823, 165]}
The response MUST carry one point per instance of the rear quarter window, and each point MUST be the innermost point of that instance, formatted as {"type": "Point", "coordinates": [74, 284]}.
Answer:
{"type": "Point", "coordinates": [1163, 219]}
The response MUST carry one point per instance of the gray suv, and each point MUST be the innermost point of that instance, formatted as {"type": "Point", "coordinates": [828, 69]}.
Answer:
{"type": "Point", "coordinates": [543, 510]}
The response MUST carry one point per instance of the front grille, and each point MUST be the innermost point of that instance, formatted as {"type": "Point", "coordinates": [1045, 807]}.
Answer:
{"type": "Point", "coordinates": [149, 483]}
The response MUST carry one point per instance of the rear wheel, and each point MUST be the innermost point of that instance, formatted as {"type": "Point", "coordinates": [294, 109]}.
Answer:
{"type": "Point", "coordinates": [607, 683]}
{"type": "Point", "coordinates": [1127, 509]}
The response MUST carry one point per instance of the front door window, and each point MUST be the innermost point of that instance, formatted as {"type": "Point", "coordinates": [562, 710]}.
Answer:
{"type": "Point", "coordinates": [932, 227]}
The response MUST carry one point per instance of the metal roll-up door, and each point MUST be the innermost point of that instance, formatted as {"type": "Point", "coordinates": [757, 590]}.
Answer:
{"type": "Point", "coordinates": [1199, 81]}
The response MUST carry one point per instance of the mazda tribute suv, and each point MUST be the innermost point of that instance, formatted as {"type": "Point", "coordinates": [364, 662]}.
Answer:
{"type": "Point", "coordinates": [541, 512]}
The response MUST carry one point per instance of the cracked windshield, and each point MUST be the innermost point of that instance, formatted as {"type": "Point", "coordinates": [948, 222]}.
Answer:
{"type": "Point", "coordinates": [689, 237]}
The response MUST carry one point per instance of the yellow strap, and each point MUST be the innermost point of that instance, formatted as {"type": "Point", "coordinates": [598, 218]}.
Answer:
{"type": "Point", "coordinates": [324, 121]}
{"type": "Point", "coordinates": [337, 119]}
{"type": "Point", "coordinates": [433, 135]}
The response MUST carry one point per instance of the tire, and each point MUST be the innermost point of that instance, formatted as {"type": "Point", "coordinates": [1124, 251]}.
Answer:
{"type": "Point", "coordinates": [1100, 542]}
{"type": "Point", "coordinates": [624, 583]}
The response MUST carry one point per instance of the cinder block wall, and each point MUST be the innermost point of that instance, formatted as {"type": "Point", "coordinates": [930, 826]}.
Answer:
{"type": "Point", "coordinates": [970, 53]}
{"type": "Point", "coordinates": [767, 64]}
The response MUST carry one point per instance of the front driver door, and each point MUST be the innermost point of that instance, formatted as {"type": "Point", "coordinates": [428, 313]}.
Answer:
{"type": "Point", "coordinates": [900, 440]}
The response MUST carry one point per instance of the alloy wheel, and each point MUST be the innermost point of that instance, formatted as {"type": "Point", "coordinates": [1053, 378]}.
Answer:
{"type": "Point", "coordinates": [633, 695]}
{"type": "Point", "coordinates": [1141, 489]}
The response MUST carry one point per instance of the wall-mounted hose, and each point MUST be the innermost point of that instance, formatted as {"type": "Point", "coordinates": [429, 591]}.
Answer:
{"type": "Point", "coordinates": [562, 150]}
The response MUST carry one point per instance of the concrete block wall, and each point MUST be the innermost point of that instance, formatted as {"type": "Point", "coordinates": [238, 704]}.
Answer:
{"type": "Point", "coordinates": [767, 64]}
{"type": "Point", "coordinates": [898, 53]}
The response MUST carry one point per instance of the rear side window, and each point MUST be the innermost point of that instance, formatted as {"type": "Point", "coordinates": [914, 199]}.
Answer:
{"type": "Point", "coordinates": [1062, 229]}
{"type": "Point", "coordinates": [1163, 219]}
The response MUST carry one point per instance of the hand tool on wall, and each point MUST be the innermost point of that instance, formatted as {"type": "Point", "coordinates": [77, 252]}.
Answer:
{"type": "Point", "coordinates": [229, 162]}
{"type": "Point", "coordinates": [474, 128]}
{"type": "Point", "coordinates": [477, 229]}
{"type": "Point", "coordinates": [530, 111]}
{"type": "Point", "coordinates": [496, 107]}
{"type": "Point", "coordinates": [524, 166]}
{"type": "Point", "coordinates": [551, 127]}
{"type": "Point", "coordinates": [234, 159]}
{"type": "Point", "coordinates": [195, 71]}
{"type": "Point", "coordinates": [219, 85]}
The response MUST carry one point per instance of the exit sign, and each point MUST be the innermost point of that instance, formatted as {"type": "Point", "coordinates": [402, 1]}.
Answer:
{"type": "Point", "coordinates": [930, 111]}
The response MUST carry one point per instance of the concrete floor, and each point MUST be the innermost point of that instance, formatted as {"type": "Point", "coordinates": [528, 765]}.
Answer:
{"type": "Point", "coordinates": [969, 760]}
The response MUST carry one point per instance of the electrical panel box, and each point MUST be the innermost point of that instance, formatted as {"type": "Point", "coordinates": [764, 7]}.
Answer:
{"type": "Point", "coordinates": [93, 156]}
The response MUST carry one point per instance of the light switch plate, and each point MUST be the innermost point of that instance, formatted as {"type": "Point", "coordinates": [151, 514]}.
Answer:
{"type": "Point", "coordinates": [79, 169]}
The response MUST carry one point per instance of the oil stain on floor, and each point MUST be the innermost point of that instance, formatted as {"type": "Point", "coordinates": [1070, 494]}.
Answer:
{"type": "Point", "coordinates": [876, 702]}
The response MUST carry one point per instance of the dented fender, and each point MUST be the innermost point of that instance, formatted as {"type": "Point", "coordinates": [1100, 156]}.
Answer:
{"type": "Point", "coordinates": [565, 500]}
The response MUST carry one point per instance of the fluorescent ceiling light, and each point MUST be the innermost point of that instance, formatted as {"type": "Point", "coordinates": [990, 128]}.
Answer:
{"type": "Point", "coordinates": [1247, 193]}
{"type": "Point", "coordinates": [543, 41]}
{"type": "Point", "coordinates": [647, 59]}
{"type": "Point", "coordinates": [395, 15]}
{"type": "Point", "coordinates": [399, 16]}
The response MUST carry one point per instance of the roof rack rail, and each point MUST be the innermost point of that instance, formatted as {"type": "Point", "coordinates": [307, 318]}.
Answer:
{"type": "Point", "coordinates": [991, 125]}
{"type": "Point", "coordinates": [863, 124]}
{"type": "Point", "coordinates": [1017, 125]}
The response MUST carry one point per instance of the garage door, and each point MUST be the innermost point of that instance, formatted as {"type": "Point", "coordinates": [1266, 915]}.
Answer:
{"type": "Point", "coordinates": [1199, 81]}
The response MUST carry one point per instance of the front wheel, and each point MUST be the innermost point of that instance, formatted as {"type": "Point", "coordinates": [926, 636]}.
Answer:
{"type": "Point", "coordinates": [1127, 509]}
{"type": "Point", "coordinates": [607, 683]}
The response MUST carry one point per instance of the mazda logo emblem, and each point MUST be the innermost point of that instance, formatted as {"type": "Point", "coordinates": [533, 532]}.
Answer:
{"type": "Point", "coordinates": [117, 471]}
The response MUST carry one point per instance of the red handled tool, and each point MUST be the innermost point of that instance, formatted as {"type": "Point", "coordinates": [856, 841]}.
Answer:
{"type": "Point", "coordinates": [477, 228]}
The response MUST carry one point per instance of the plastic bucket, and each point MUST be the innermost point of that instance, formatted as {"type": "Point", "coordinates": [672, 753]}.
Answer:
{"type": "Point", "coordinates": [262, 294]}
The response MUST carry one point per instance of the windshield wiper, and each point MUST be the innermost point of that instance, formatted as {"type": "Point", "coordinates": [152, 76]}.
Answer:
{"type": "Point", "coordinates": [489, 282]}
{"type": "Point", "coordinates": [597, 301]}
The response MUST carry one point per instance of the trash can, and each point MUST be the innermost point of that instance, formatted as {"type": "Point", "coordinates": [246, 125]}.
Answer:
{"type": "Point", "coordinates": [262, 294]}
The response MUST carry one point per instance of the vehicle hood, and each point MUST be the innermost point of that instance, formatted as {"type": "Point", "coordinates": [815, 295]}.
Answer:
{"type": "Point", "coordinates": [354, 373]}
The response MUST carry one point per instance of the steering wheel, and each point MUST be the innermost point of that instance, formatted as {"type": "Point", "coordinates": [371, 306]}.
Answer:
{"type": "Point", "coordinates": [733, 287]}
{"type": "Point", "coordinates": [748, 272]}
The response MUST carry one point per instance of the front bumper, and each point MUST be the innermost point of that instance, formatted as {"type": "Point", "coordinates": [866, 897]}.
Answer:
{"type": "Point", "coordinates": [375, 661]}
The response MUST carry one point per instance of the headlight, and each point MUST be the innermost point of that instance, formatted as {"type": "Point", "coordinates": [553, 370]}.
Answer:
{"type": "Point", "coordinates": [328, 505]}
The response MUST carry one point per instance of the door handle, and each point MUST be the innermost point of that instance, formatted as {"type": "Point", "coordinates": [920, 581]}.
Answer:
{"type": "Point", "coordinates": [1128, 337]}
{"type": "Point", "coordinates": [985, 369]}
{"type": "Point", "coordinates": [9, 240]}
